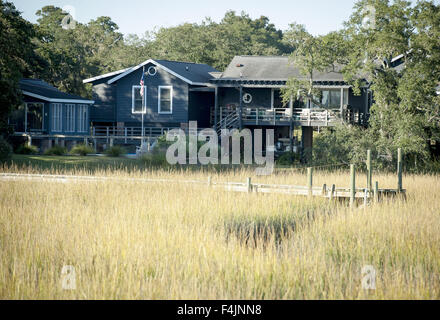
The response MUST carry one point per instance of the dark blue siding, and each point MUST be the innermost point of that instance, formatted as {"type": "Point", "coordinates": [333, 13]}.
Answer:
{"type": "Point", "coordinates": [162, 78]}
{"type": "Point", "coordinates": [358, 103]}
{"type": "Point", "coordinates": [104, 95]}
{"type": "Point", "coordinates": [261, 97]}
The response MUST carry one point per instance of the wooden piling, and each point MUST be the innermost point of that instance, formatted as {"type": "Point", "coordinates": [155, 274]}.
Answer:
{"type": "Point", "coordinates": [310, 181]}
{"type": "Point", "coordinates": [399, 171]}
{"type": "Point", "coordinates": [376, 192]}
{"type": "Point", "coordinates": [249, 185]}
{"type": "Point", "coordinates": [369, 172]}
{"type": "Point", "coordinates": [352, 185]}
{"type": "Point", "coordinates": [332, 193]}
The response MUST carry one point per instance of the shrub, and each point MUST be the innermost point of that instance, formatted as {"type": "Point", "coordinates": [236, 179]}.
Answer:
{"type": "Point", "coordinates": [56, 151]}
{"type": "Point", "coordinates": [115, 151]}
{"type": "Point", "coordinates": [155, 159]}
{"type": "Point", "coordinates": [82, 150]}
{"type": "Point", "coordinates": [5, 150]}
{"type": "Point", "coordinates": [288, 159]}
{"type": "Point", "coordinates": [26, 149]}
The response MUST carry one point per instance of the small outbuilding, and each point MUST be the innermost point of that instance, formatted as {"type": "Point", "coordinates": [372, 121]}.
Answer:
{"type": "Point", "coordinates": [48, 114]}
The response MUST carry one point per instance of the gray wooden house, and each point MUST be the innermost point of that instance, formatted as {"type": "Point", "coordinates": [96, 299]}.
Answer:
{"type": "Point", "coordinates": [48, 114]}
{"type": "Point", "coordinates": [248, 95]}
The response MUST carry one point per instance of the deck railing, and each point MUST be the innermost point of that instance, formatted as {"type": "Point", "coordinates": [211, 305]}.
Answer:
{"type": "Point", "coordinates": [128, 131]}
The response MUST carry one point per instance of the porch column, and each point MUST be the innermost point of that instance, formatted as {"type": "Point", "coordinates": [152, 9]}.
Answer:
{"type": "Point", "coordinates": [216, 108]}
{"type": "Point", "coordinates": [240, 113]}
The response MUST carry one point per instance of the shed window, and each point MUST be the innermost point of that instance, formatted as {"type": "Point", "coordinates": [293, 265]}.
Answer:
{"type": "Point", "coordinates": [57, 120]}
{"type": "Point", "coordinates": [165, 100]}
{"type": "Point", "coordinates": [139, 103]}
{"type": "Point", "coordinates": [82, 118]}
{"type": "Point", "coordinates": [70, 118]}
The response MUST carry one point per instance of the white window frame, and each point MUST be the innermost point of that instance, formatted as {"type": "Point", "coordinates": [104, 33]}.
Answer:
{"type": "Point", "coordinates": [133, 100]}
{"type": "Point", "coordinates": [82, 125]}
{"type": "Point", "coordinates": [57, 117]}
{"type": "Point", "coordinates": [70, 118]}
{"type": "Point", "coordinates": [159, 99]}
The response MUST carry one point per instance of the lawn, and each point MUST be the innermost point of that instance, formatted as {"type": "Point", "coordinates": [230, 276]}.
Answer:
{"type": "Point", "coordinates": [67, 163]}
{"type": "Point", "coordinates": [133, 240]}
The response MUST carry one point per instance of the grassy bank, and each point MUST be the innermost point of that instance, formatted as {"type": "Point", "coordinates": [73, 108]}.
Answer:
{"type": "Point", "coordinates": [129, 240]}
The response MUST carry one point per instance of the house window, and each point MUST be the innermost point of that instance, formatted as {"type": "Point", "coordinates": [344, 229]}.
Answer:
{"type": "Point", "coordinates": [165, 100]}
{"type": "Point", "coordinates": [82, 118]}
{"type": "Point", "coordinates": [70, 118]}
{"type": "Point", "coordinates": [57, 120]}
{"type": "Point", "coordinates": [139, 104]}
{"type": "Point", "coordinates": [34, 117]}
{"type": "Point", "coordinates": [330, 99]}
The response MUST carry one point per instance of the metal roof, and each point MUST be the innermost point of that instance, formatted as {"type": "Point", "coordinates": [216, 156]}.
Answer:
{"type": "Point", "coordinates": [42, 90]}
{"type": "Point", "coordinates": [270, 68]}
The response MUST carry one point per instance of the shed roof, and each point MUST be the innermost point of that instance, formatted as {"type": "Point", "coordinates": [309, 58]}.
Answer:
{"type": "Point", "coordinates": [42, 90]}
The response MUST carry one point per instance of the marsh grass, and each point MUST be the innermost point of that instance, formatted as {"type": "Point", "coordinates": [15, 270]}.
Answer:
{"type": "Point", "coordinates": [132, 240]}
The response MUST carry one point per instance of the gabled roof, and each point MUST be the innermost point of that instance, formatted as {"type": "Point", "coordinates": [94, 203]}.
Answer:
{"type": "Point", "coordinates": [42, 90]}
{"type": "Point", "coordinates": [107, 75]}
{"type": "Point", "coordinates": [191, 73]}
{"type": "Point", "coordinates": [270, 68]}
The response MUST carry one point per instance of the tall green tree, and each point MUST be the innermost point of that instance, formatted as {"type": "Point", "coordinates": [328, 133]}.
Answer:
{"type": "Point", "coordinates": [17, 58]}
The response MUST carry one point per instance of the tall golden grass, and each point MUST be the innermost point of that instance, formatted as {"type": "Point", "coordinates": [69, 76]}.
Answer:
{"type": "Point", "coordinates": [132, 240]}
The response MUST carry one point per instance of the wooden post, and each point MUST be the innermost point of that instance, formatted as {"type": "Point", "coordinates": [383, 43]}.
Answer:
{"type": "Point", "coordinates": [324, 190]}
{"type": "Point", "coordinates": [332, 193]}
{"type": "Point", "coordinates": [376, 192]}
{"type": "Point", "coordinates": [369, 172]}
{"type": "Point", "coordinates": [249, 185]}
{"type": "Point", "coordinates": [352, 185]}
{"type": "Point", "coordinates": [209, 181]}
{"type": "Point", "coordinates": [399, 171]}
{"type": "Point", "coordinates": [111, 142]}
{"type": "Point", "coordinates": [310, 181]}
